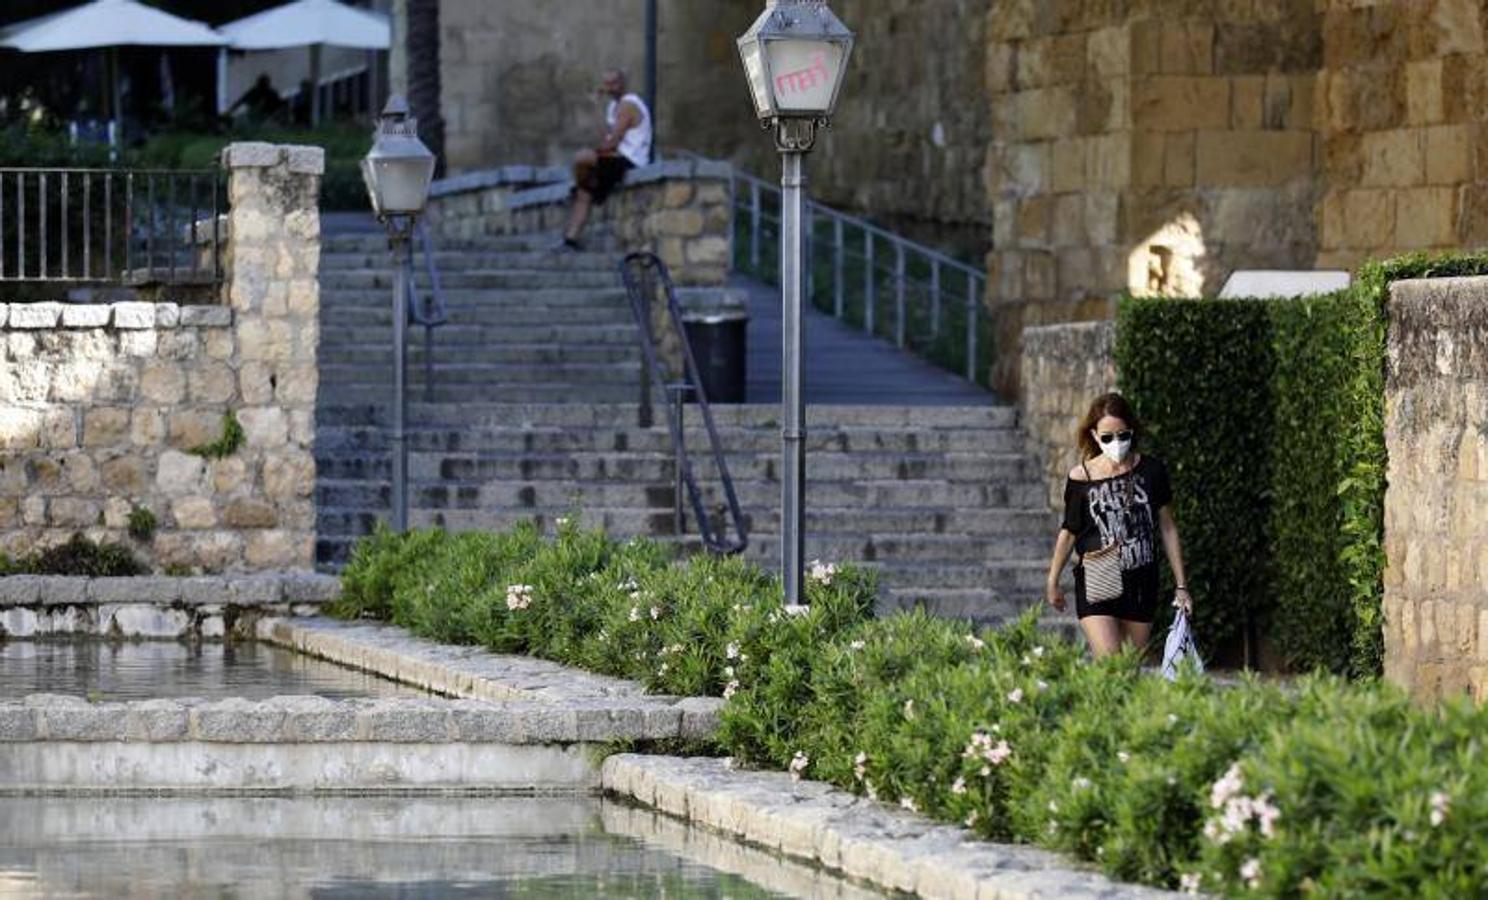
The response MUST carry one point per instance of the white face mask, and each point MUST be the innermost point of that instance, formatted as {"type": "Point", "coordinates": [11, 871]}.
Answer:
{"type": "Point", "coordinates": [1116, 451]}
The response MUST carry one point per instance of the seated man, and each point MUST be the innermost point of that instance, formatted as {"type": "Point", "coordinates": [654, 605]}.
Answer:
{"type": "Point", "coordinates": [625, 145]}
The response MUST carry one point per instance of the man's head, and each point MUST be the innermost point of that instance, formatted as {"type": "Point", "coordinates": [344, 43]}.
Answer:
{"type": "Point", "coordinates": [612, 83]}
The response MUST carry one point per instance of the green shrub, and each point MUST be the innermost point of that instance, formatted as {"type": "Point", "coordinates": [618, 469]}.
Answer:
{"type": "Point", "coordinates": [1271, 417]}
{"type": "Point", "coordinates": [81, 556]}
{"type": "Point", "coordinates": [141, 523]}
{"type": "Point", "coordinates": [1250, 789]}
{"type": "Point", "coordinates": [227, 443]}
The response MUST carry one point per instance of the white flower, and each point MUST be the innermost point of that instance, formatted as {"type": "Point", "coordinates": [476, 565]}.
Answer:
{"type": "Point", "coordinates": [1441, 804]}
{"type": "Point", "coordinates": [636, 595]}
{"type": "Point", "coordinates": [1266, 814]}
{"type": "Point", "coordinates": [518, 596]}
{"type": "Point", "coordinates": [999, 754]}
{"type": "Point", "coordinates": [870, 789]}
{"type": "Point", "coordinates": [822, 573]}
{"type": "Point", "coordinates": [1038, 651]}
{"type": "Point", "coordinates": [909, 804]}
{"type": "Point", "coordinates": [1189, 882]}
{"type": "Point", "coordinates": [798, 765]}
{"type": "Point", "coordinates": [1172, 719]}
{"type": "Point", "coordinates": [1041, 685]}
{"type": "Point", "coordinates": [1250, 870]}
{"type": "Point", "coordinates": [728, 671]}
{"type": "Point", "coordinates": [662, 670]}
{"type": "Point", "coordinates": [562, 521]}
{"type": "Point", "coordinates": [655, 614]}
{"type": "Point", "coordinates": [1229, 785]}
{"type": "Point", "coordinates": [971, 819]}
{"type": "Point", "coordinates": [1053, 807]}
{"type": "Point", "coordinates": [985, 771]}
{"type": "Point", "coordinates": [975, 642]}
{"type": "Point", "coordinates": [629, 584]}
{"type": "Point", "coordinates": [1015, 695]}
{"type": "Point", "coordinates": [1080, 783]}
{"type": "Point", "coordinates": [958, 787]}
{"type": "Point", "coordinates": [1027, 660]}
{"type": "Point", "coordinates": [635, 614]}
{"type": "Point", "coordinates": [909, 712]}
{"type": "Point", "coordinates": [857, 645]}
{"type": "Point", "coordinates": [731, 651]}
{"type": "Point", "coordinates": [730, 689]}
{"type": "Point", "coordinates": [860, 765]}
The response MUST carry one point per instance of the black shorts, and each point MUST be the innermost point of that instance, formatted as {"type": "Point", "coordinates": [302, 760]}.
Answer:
{"type": "Point", "coordinates": [606, 175]}
{"type": "Point", "coordinates": [1138, 600]}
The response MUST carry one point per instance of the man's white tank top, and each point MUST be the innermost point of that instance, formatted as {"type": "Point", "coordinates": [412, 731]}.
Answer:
{"type": "Point", "coordinates": [635, 145]}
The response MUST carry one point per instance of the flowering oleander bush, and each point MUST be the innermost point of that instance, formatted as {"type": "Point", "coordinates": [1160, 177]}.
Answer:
{"type": "Point", "coordinates": [1318, 788]}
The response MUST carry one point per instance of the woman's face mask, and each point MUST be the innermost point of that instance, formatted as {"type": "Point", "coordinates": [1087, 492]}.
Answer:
{"type": "Point", "coordinates": [1115, 445]}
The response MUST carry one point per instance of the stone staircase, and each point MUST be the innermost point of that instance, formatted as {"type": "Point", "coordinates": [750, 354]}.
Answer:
{"type": "Point", "coordinates": [534, 415]}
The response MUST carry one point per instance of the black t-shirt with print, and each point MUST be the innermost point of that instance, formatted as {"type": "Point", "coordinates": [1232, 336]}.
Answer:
{"type": "Point", "coordinates": [1122, 509]}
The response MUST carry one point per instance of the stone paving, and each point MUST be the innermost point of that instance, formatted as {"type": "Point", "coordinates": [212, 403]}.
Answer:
{"type": "Point", "coordinates": [858, 837]}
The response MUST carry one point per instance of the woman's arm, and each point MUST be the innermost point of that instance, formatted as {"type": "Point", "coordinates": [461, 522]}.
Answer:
{"type": "Point", "coordinates": [1063, 545]}
{"type": "Point", "coordinates": [1173, 546]}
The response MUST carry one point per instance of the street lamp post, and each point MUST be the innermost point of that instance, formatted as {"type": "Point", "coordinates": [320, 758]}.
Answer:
{"type": "Point", "coordinates": [398, 170]}
{"type": "Point", "coordinates": [795, 56]}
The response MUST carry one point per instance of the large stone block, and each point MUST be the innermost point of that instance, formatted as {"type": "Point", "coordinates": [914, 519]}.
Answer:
{"type": "Point", "coordinates": [1425, 217]}
{"type": "Point", "coordinates": [1253, 158]}
{"type": "Point", "coordinates": [1394, 158]}
{"type": "Point", "coordinates": [1180, 103]}
{"type": "Point", "coordinates": [35, 315]}
{"type": "Point", "coordinates": [106, 427]}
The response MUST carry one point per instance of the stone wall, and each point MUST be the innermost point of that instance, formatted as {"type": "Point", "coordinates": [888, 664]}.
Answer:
{"type": "Point", "coordinates": [1400, 103]}
{"type": "Point", "coordinates": [1144, 147]}
{"type": "Point", "coordinates": [1062, 368]}
{"type": "Point", "coordinates": [101, 406]}
{"type": "Point", "coordinates": [681, 211]}
{"type": "Point", "coordinates": [908, 144]}
{"type": "Point", "coordinates": [1436, 530]}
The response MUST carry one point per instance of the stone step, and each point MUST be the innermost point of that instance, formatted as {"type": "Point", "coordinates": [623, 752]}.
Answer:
{"type": "Point", "coordinates": [754, 415]}
{"type": "Point", "coordinates": [476, 377]}
{"type": "Point", "coordinates": [658, 521]}
{"type": "Point", "coordinates": [464, 334]}
{"type": "Point", "coordinates": [354, 280]}
{"type": "Point", "coordinates": [368, 494]}
{"type": "Point", "coordinates": [598, 239]}
{"type": "Point", "coordinates": [451, 261]}
{"type": "Point", "coordinates": [535, 313]}
{"type": "Point", "coordinates": [377, 396]}
{"type": "Point", "coordinates": [360, 439]}
{"type": "Point", "coordinates": [977, 468]}
{"type": "Point", "coordinates": [536, 354]}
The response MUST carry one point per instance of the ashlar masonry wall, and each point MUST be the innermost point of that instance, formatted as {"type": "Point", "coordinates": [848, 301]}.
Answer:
{"type": "Point", "coordinates": [1436, 507]}
{"type": "Point", "coordinates": [102, 406]}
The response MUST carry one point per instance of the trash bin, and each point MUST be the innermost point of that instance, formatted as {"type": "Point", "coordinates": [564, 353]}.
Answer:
{"type": "Point", "coordinates": [719, 344]}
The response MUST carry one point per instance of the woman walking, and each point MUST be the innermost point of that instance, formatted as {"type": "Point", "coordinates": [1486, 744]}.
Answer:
{"type": "Point", "coordinates": [1117, 503]}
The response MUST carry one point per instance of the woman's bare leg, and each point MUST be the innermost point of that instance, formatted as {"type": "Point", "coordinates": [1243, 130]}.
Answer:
{"type": "Point", "coordinates": [1136, 633]}
{"type": "Point", "coordinates": [1103, 633]}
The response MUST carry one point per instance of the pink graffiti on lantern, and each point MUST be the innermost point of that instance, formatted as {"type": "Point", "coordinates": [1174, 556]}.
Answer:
{"type": "Point", "coordinates": [803, 80]}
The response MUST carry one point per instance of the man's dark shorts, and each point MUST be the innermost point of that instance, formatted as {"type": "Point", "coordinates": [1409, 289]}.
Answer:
{"type": "Point", "coordinates": [606, 175]}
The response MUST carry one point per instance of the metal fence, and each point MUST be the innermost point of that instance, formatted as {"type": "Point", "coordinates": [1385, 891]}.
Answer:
{"type": "Point", "coordinates": [111, 226]}
{"type": "Point", "coordinates": [919, 298]}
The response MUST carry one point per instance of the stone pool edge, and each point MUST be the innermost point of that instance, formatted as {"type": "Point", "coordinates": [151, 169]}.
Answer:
{"type": "Point", "coordinates": [476, 674]}
{"type": "Point", "coordinates": [856, 837]}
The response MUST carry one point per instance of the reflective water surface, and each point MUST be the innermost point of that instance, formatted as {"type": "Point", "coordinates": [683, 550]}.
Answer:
{"type": "Point", "coordinates": [379, 847]}
{"type": "Point", "coordinates": [141, 670]}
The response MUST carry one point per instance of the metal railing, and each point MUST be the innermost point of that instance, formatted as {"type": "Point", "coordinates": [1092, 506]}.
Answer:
{"type": "Point", "coordinates": [646, 282]}
{"type": "Point", "coordinates": [870, 278]}
{"type": "Point", "coordinates": [111, 226]}
{"type": "Point", "coordinates": [430, 309]}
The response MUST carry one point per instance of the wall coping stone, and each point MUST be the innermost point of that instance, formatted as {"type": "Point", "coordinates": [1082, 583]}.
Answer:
{"type": "Point", "coordinates": [24, 316]}
{"type": "Point", "coordinates": [308, 588]}
{"type": "Point", "coordinates": [853, 835]}
{"type": "Point", "coordinates": [554, 183]}
{"type": "Point", "coordinates": [613, 705]}
{"type": "Point", "coordinates": [133, 315]}
{"type": "Point", "coordinates": [301, 159]}
{"type": "Point", "coordinates": [499, 177]}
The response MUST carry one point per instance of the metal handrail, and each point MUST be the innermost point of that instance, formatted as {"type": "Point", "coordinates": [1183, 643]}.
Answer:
{"type": "Point", "coordinates": [433, 311]}
{"type": "Point", "coordinates": [638, 270]}
{"type": "Point", "coordinates": [120, 227]}
{"type": "Point", "coordinates": [749, 193]}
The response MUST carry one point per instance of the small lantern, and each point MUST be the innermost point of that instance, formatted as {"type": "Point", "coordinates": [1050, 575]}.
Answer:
{"type": "Point", "coordinates": [795, 55]}
{"type": "Point", "coordinates": [399, 168]}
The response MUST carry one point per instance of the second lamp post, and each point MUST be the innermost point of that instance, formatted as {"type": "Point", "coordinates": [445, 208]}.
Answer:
{"type": "Point", "coordinates": [794, 56]}
{"type": "Point", "coordinates": [398, 170]}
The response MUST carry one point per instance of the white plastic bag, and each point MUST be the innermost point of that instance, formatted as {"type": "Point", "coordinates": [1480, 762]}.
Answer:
{"type": "Point", "coordinates": [1180, 647]}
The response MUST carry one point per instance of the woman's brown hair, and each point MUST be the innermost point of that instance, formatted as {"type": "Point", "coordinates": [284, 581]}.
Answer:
{"type": "Point", "coordinates": [1112, 404]}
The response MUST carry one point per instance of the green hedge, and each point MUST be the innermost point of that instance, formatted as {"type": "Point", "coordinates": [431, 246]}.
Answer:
{"type": "Point", "coordinates": [1271, 415]}
{"type": "Point", "coordinates": [1321, 788]}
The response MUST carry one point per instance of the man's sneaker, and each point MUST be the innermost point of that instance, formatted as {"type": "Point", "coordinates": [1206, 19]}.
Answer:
{"type": "Point", "coordinates": [568, 245]}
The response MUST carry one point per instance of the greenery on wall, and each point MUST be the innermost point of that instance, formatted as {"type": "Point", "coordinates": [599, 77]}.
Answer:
{"type": "Point", "coordinates": [1271, 415]}
{"type": "Point", "coordinates": [227, 443]}
{"type": "Point", "coordinates": [1316, 788]}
